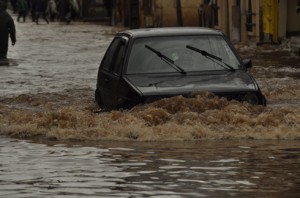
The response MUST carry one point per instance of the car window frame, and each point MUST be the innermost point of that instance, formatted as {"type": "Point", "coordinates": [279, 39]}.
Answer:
{"type": "Point", "coordinates": [118, 61]}
{"type": "Point", "coordinates": [117, 44]}
{"type": "Point", "coordinates": [234, 50]}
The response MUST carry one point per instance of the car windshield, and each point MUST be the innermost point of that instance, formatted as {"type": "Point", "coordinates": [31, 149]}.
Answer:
{"type": "Point", "coordinates": [143, 60]}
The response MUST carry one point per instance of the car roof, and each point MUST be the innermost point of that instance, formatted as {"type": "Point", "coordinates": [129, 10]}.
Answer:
{"type": "Point", "coordinates": [169, 31]}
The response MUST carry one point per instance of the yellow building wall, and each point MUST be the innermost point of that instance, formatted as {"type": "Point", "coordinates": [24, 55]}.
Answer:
{"type": "Point", "coordinates": [270, 19]}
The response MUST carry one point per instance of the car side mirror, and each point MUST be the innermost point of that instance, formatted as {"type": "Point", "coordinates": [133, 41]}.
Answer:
{"type": "Point", "coordinates": [247, 63]}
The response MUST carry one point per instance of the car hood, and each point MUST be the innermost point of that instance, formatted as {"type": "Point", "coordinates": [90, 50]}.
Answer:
{"type": "Point", "coordinates": [238, 80]}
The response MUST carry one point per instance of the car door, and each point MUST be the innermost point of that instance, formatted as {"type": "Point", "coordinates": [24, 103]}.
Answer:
{"type": "Point", "coordinates": [111, 73]}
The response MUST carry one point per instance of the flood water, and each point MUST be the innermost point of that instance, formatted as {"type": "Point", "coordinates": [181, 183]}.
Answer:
{"type": "Point", "coordinates": [152, 169]}
{"type": "Point", "coordinates": [55, 143]}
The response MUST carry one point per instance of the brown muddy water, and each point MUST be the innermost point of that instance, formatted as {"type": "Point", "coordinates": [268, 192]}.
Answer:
{"type": "Point", "coordinates": [54, 143]}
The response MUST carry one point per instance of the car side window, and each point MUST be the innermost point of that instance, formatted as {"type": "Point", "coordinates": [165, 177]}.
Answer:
{"type": "Point", "coordinates": [113, 59]}
{"type": "Point", "coordinates": [119, 56]}
{"type": "Point", "coordinates": [110, 55]}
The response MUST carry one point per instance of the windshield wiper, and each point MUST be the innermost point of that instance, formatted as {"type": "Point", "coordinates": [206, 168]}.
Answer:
{"type": "Point", "coordinates": [211, 57]}
{"type": "Point", "coordinates": [166, 59]}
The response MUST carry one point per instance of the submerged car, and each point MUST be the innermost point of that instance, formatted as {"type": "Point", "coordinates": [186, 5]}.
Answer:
{"type": "Point", "coordinates": [144, 65]}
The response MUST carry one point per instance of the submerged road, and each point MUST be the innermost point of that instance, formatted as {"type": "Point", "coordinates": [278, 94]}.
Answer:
{"type": "Point", "coordinates": [54, 57]}
{"type": "Point", "coordinates": [53, 144]}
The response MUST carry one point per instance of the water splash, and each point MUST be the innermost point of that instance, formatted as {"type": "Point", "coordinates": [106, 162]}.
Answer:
{"type": "Point", "coordinates": [58, 116]}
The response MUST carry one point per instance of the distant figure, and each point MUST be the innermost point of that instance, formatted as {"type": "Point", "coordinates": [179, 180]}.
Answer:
{"type": "Point", "coordinates": [40, 9]}
{"type": "Point", "coordinates": [7, 28]}
{"type": "Point", "coordinates": [52, 9]}
{"type": "Point", "coordinates": [64, 10]}
{"type": "Point", "coordinates": [74, 9]}
{"type": "Point", "coordinates": [22, 8]}
{"type": "Point", "coordinates": [14, 5]}
{"type": "Point", "coordinates": [33, 7]}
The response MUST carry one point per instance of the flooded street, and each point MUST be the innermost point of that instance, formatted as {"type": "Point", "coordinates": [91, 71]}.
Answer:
{"type": "Point", "coordinates": [131, 169]}
{"type": "Point", "coordinates": [55, 143]}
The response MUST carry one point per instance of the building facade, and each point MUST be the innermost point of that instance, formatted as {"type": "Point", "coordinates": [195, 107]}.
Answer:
{"type": "Point", "coordinates": [241, 20]}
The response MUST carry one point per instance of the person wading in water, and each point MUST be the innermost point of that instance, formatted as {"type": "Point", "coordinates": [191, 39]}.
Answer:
{"type": "Point", "coordinates": [7, 28]}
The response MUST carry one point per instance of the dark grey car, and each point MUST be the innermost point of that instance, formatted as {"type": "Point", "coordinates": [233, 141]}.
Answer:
{"type": "Point", "coordinates": [144, 65]}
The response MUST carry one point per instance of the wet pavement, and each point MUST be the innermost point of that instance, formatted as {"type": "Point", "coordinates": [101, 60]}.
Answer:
{"type": "Point", "coordinates": [50, 56]}
{"type": "Point", "coordinates": [53, 142]}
